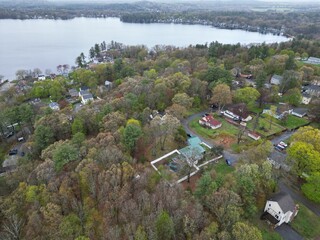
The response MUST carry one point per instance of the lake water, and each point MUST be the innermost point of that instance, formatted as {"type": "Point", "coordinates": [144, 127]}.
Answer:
{"type": "Point", "coordinates": [45, 44]}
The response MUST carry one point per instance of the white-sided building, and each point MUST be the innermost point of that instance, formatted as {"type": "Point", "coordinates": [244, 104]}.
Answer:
{"type": "Point", "coordinates": [86, 98]}
{"type": "Point", "coordinates": [280, 208]}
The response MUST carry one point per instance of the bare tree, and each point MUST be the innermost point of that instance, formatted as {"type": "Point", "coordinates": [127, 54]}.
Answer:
{"type": "Point", "coordinates": [12, 227]}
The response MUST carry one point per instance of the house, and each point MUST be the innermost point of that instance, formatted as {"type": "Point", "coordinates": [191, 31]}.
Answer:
{"type": "Point", "coordinates": [299, 112]}
{"type": "Point", "coordinates": [238, 112]}
{"type": "Point", "coordinates": [41, 77]}
{"type": "Point", "coordinates": [73, 93]}
{"type": "Point", "coordinates": [54, 106]}
{"type": "Point", "coordinates": [313, 60]}
{"type": "Point", "coordinates": [210, 122]}
{"type": "Point", "coordinates": [84, 88]}
{"type": "Point", "coordinates": [280, 208]}
{"type": "Point", "coordinates": [86, 98]}
{"type": "Point", "coordinates": [108, 84]}
{"type": "Point", "coordinates": [313, 90]}
{"type": "Point", "coordinates": [281, 111]}
{"type": "Point", "coordinates": [276, 79]}
{"type": "Point", "coordinates": [194, 151]}
{"type": "Point", "coordinates": [254, 135]}
{"type": "Point", "coordinates": [306, 98]}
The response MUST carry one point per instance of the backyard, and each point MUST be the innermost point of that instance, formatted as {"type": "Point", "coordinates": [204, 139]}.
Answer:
{"type": "Point", "coordinates": [263, 127]}
{"type": "Point", "coordinates": [226, 129]}
{"type": "Point", "coordinates": [293, 122]}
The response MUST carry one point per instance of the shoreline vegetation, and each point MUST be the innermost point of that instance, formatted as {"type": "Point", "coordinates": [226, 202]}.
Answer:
{"type": "Point", "coordinates": [224, 17]}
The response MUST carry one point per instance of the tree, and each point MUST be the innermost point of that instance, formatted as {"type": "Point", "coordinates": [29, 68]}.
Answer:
{"type": "Point", "coordinates": [164, 226]}
{"type": "Point", "coordinates": [131, 134]}
{"type": "Point", "coordinates": [308, 135]}
{"type": "Point", "coordinates": [293, 96]}
{"type": "Point", "coordinates": [64, 154]}
{"type": "Point", "coordinates": [21, 74]}
{"type": "Point", "coordinates": [243, 231]}
{"type": "Point", "coordinates": [183, 100]}
{"type": "Point", "coordinates": [304, 158]}
{"type": "Point", "coordinates": [205, 186]}
{"type": "Point", "coordinates": [261, 80]}
{"type": "Point", "coordinates": [221, 95]}
{"type": "Point", "coordinates": [225, 205]}
{"type": "Point", "coordinates": [247, 95]}
{"type": "Point", "coordinates": [140, 234]}
{"type": "Point", "coordinates": [291, 79]}
{"type": "Point", "coordinates": [43, 137]}
{"type": "Point", "coordinates": [163, 127]}
{"type": "Point", "coordinates": [311, 187]}
{"type": "Point", "coordinates": [290, 63]}
{"type": "Point", "coordinates": [13, 227]}
{"type": "Point", "coordinates": [77, 126]}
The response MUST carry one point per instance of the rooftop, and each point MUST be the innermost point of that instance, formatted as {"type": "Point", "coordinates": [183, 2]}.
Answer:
{"type": "Point", "coordinates": [209, 119]}
{"type": "Point", "coordinates": [284, 200]}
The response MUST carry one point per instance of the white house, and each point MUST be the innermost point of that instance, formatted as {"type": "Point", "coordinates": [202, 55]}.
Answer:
{"type": "Point", "coordinates": [237, 112]}
{"type": "Point", "coordinates": [210, 122]}
{"type": "Point", "coordinates": [276, 79]}
{"type": "Point", "coordinates": [86, 98]}
{"type": "Point", "coordinates": [313, 60]}
{"type": "Point", "coordinates": [280, 208]}
{"type": "Point", "coordinates": [54, 106]}
{"type": "Point", "coordinates": [108, 84]}
{"type": "Point", "coordinates": [306, 98]}
{"type": "Point", "coordinates": [41, 77]}
{"type": "Point", "coordinates": [299, 112]}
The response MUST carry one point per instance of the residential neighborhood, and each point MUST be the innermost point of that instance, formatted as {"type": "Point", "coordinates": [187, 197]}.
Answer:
{"type": "Point", "coordinates": [132, 140]}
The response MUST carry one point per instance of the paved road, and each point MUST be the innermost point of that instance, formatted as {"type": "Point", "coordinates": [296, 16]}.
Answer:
{"type": "Point", "coordinates": [284, 136]}
{"type": "Point", "coordinates": [298, 197]}
{"type": "Point", "coordinates": [227, 155]}
{"type": "Point", "coordinates": [287, 233]}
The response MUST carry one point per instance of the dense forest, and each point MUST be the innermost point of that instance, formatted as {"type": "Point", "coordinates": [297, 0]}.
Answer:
{"type": "Point", "coordinates": [299, 21]}
{"type": "Point", "coordinates": [86, 173]}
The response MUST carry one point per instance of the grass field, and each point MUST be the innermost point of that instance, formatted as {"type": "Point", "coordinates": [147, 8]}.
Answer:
{"type": "Point", "coordinates": [222, 168]}
{"type": "Point", "coordinates": [264, 127]}
{"type": "Point", "coordinates": [307, 223]}
{"type": "Point", "coordinates": [293, 122]}
{"type": "Point", "coordinates": [226, 128]}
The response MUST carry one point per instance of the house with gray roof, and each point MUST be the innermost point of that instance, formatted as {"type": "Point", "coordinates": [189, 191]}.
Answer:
{"type": "Point", "coordinates": [313, 90]}
{"type": "Point", "coordinates": [54, 106]}
{"type": "Point", "coordinates": [299, 112]}
{"type": "Point", "coordinates": [313, 60]}
{"type": "Point", "coordinates": [276, 79]}
{"type": "Point", "coordinates": [86, 98]}
{"type": "Point", "coordinates": [280, 208]}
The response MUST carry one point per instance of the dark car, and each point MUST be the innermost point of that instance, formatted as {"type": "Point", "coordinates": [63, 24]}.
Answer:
{"type": "Point", "coordinates": [228, 162]}
{"type": "Point", "coordinates": [22, 154]}
{"type": "Point", "coordinates": [13, 152]}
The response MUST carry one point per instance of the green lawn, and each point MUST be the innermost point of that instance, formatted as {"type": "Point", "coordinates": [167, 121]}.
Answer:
{"type": "Point", "coordinates": [222, 168]}
{"type": "Point", "coordinates": [226, 128]}
{"type": "Point", "coordinates": [264, 126]}
{"type": "Point", "coordinates": [293, 122]}
{"type": "Point", "coordinates": [307, 223]}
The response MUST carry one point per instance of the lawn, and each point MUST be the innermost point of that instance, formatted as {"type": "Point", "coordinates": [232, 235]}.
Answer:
{"type": "Point", "coordinates": [222, 168]}
{"type": "Point", "coordinates": [307, 223]}
{"type": "Point", "coordinates": [264, 126]}
{"type": "Point", "coordinates": [226, 128]}
{"type": "Point", "coordinates": [293, 122]}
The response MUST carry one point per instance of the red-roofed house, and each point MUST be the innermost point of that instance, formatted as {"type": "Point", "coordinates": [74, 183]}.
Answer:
{"type": "Point", "coordinates": [210, 122]}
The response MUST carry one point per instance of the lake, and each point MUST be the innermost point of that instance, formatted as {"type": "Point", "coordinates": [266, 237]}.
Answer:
{"type": "Point", "coordinates": [45, 44]}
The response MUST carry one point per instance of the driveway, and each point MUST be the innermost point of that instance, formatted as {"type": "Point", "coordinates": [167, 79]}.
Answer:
{"type": "Point", "coordinates": [233, 158]}
{"type": "Point", "coordinates": [288, 233]}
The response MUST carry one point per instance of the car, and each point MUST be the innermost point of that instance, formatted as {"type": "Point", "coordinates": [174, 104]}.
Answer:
{"type": "Point", "coordinates": [279, 148]}
{"type": "Point", "coordinates": [283, 144]}
{"type": "Point", "coordinates": [20, 139]}
{"type": "Point", "coordinates": [22, 154]}
{"type": "Point", "coordinates": [13, 152]}
{"type": "Point", "coordinates": [10, 134]}
{"type": "Point", "coordinates": [228, 162]}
